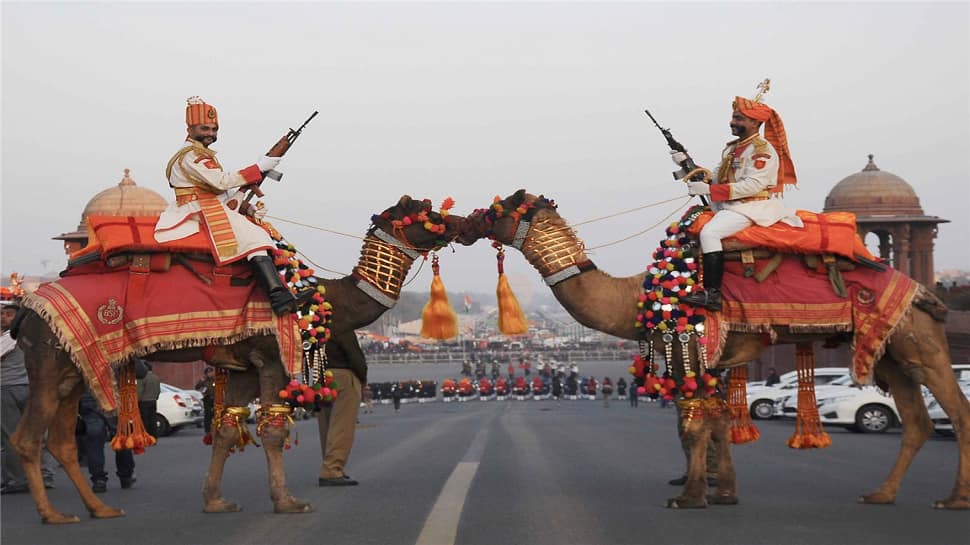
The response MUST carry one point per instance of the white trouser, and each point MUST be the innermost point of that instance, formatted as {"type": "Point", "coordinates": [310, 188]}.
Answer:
{"type": "Point", "coordinates": [724, 224]}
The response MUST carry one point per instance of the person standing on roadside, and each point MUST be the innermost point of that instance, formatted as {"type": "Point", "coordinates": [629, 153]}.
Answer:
{"type": "Point", "coordinates": [149, 388]}
{"type": "Point", "coordinates": [207, 385]}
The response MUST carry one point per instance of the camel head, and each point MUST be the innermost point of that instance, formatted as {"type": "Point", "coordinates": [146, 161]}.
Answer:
{"type": "Point", "coordinates": [414, 223]}
{"type": "Point", "coordinates": [501, 220]}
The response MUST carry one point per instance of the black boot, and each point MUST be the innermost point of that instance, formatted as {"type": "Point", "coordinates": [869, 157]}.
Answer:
{"type": "Point", "coordinates": [280, 297]}
{"type": "Point", "coordinates": [710, 298]}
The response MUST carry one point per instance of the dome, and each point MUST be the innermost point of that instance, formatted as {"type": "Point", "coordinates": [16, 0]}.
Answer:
{"type": "Point", "coordinates": [873, 192]}
{"type": "Point", "coordinates": [124, 199]}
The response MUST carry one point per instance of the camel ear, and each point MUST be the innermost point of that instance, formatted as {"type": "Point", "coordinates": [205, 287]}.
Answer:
{"type": "Point", "coordinates": [404, 201]}
{"type": "Point", "coordinates": [518, 196]}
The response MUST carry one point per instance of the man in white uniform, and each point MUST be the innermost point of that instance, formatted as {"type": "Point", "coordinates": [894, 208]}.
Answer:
{"type": "Point", "coordinates": [209, 198]}
{"type": "Point", "coordinates": [746, 190]}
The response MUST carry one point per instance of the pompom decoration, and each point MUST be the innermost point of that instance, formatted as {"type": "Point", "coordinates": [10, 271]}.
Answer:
{"type": "Point", "coordinates": [311, 397]}
{"type": "Point", "coordinates": [671, 276]}
{"type": "Point", "coordinates": [315, 315]}
{"type": "Point", "coordinates": [438, 319]}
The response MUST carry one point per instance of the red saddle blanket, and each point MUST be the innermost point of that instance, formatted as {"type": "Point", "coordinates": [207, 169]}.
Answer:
{"type": "Point", "coordinates": [829, 232]}
{"type": "Point", "coordinates": [803, 300]}
{"type": "Point", "coordinates": [102, 320]}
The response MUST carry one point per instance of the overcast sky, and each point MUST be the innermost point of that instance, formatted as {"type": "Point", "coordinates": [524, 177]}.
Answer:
{"type": "Point", "coordinates": [472, 101]}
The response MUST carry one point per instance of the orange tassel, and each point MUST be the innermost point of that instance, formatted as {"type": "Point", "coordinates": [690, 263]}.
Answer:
{"type": "Point", "coordinates": [511, 319]}
{"type": "Point", "coordinates": [809, 432]}
{"type": "Point", "coordinates": [438, 320]}
{"type": "Point", "coordinates": [743, 429]}
{"type": "Point", "coordinates": [131, 433]}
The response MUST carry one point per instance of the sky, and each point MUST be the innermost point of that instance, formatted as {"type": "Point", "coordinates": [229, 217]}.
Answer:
{"type": "Point", "coordinates": [474, 100]}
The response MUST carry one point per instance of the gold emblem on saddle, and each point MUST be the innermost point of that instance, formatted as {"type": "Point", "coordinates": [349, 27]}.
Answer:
{"type": "Point", "coordinates": [865, 297]}
{"type": "Point", "coordinates": [110, 313]}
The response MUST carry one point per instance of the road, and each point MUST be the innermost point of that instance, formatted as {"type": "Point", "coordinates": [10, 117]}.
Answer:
{"type": "Point", "coordinates": [518, 472]}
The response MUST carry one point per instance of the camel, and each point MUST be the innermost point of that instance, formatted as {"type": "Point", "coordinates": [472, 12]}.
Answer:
{"type": "Point", "coordinates": [389, 249]}
{"type": "Point", "coordinates": [916, 354]}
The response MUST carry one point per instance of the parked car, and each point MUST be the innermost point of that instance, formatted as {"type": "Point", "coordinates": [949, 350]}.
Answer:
{"type": "Point", "coordinates": [762, 399]}
{"type": "Point", "coordinates": [941, 422]}
{"type": "Point", "coordinates": [176, 408]}
{"type": "Point", "coordinates": [866, 409]}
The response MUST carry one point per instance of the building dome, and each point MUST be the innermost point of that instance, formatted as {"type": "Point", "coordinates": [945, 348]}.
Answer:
{"type": "Point", "coordinates": [124, 199]}
{"type": "Point", "coordinates": [873, 192]}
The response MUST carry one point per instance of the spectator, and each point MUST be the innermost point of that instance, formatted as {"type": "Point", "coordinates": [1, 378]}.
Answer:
{"type": "Point", "coordinates": [368, 396]}
{"type": "Point", "coordinates": [149, 388]}
{"type": "Point", "coordinates": [97, 429]}
{"type": "Point", "coordinates": [337, 422]}
{"type": "Point", "coordinates": [207, 385]}
{"type": "Point", "coordinates": [634, 394]}
{"type": "Point", "coordinates": [772, 377]}
{"type": "Point", "coordinates": [14, 391]}
{"type": "Point", "coordinates": [396, 396]}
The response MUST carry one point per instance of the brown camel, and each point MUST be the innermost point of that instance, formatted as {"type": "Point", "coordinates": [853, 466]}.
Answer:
{"type": "Point", "coordinates": [916, 354]}
{"type": "Point", "coordinates": [388, 251]}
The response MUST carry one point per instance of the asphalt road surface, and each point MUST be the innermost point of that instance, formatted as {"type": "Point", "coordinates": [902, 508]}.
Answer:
{"type": "Point", "coordinates": [517, 472]}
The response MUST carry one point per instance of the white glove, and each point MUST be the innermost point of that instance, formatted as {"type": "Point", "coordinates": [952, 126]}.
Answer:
{"type": "Point", "coordinates": [266, 164]}
{"type": "Point", "coordinates": [678, 157]}
{"type": "Point", "coordinates": [698, 188]}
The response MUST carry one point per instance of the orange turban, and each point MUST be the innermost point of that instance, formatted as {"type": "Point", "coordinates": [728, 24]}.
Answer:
{"type": "Point", "coordinates": [774, 134]}
{"type": "Point", "coordinates": [197, 112]}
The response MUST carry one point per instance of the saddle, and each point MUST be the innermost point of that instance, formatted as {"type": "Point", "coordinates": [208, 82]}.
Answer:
{"type": "Point", "coordinates": [829, 243]}
{"type": "Point", "coordinates": [118, 243]}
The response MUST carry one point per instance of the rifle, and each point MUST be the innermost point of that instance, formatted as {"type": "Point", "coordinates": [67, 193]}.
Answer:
{"type": "Point", "coordinates": [279, 149]}
{"type": "Point", "coordinates": [689, 170]}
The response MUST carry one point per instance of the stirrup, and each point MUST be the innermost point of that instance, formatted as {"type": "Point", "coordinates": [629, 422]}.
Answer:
{"type": "Point", "coordinates": [709, 299]}
{"type": "Point", "coordinates": [285, 302]}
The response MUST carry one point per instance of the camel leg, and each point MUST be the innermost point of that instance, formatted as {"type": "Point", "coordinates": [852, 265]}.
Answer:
{"type": "Point", "coordinates": [240, 388]}
{"type": "Point", "coordinates": [727, 487]}
{"type": "Point", "coordinates": [272, 379]}
{"type": "Point", "coordinates": [56, 387]}
{"type": "Point", "coordinates": [697, 434]}
{"type": "Point", "coordinates": [916, 428]}
{"type": "Point", "coordinates": [222, 440]}
{"type": "Point", "coordinates": [922, 349]}
{"type": "Point", "coordinates": [941, 381]}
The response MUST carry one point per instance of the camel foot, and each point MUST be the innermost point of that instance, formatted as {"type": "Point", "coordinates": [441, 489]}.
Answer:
{"type": "Point", "coordinates": [877, 498]}
{"type": "Point", "coordinates": [59, 518]}
{"type": "Point", "coordinates": [292, 505]}
{"type": "Point", "coordinates": [722, 499]}
{"type": "Point", "coordinates": [221, 505]}
{"type": "Point", "coordinates": [684, 502]}
{"type": "Point", "coordinates": [107, 512]}
{"type": "Point", "coordinates": [952, 503]}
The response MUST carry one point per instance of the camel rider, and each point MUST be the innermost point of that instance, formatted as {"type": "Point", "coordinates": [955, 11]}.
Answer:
{"type": "Point", "coordinates": [746, 189]}
{"type": "Point", "coordinates": [204, 199]}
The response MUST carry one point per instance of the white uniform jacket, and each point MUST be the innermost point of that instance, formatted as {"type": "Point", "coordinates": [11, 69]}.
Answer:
{"type": "Point", "coordinates": [198, 179]}
{"type": "Point", "coordinates": [748, 170]}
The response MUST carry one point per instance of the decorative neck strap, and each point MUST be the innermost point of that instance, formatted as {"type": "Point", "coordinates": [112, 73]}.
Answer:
{"type": "Point", "coordinates": [555, 251]}
{"type": "Point", "coordinates": [382, 267]}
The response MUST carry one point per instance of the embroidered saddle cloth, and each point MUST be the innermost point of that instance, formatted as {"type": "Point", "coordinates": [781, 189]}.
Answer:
{"type": "Point", "coordinates": [102, 319]}
{"type": "Point", "coordinates": [802, 300]}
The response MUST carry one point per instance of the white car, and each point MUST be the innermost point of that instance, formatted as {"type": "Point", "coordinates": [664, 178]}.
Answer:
{"type": "Point", "coordinates": [941, 422]}
{"type": "Point", "coordinates": [762, 399]}
{"type": "Point", "coordinates": [176, 408]}
{"type": "Point", "coordinates": [866, 409]}
{"type": "Point", "coordinates": [788, 406]}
